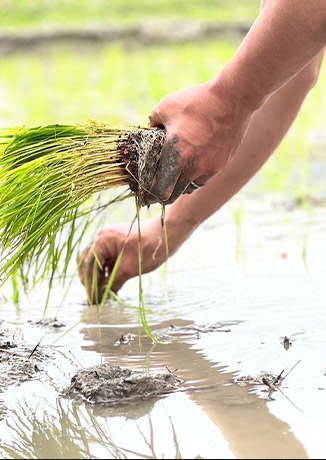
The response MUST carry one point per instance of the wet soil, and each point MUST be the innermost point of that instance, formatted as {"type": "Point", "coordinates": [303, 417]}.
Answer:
{"type": "Point", "coordinates": [125, 339]}
{"type": "Point", "coordinates": [105, 384]}
{"type": "Point", "coordinates": [19, 362]}
{"type": "Point", "coordinates": [255, 380]}
{"type": "Point", "coordinates": [48, 323]}
{"type": "Point", "coordinates": [229, 329]}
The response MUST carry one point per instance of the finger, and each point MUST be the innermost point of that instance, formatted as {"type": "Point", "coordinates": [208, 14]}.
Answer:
{"type": "Point", "coordinates": [83, 268]}
{"type": "Point", "coordinates": [185, 187]}
{"type": "Point", "coordinates": [178, 190]}
{"type": "Point", "coordinates": [94, 266]}
{"type": "Point", "coordinates": [194, 186]}
{"type": "Point", "coordinates": [190, 189]}
{"type": "Point", "coordinates": [105, 276]}
{"type": "Point", "coordinates": [188, 172]}
{"type": "Point", "coordinates": [116, 285]}
{"type": "Point", "coordinates": [155, 120]}
{"type": "Point", "coordinates": [202, 180]}
{"type": "Point", "coordinates": [80, 263]}
{"type": "Point", "coordinates": [168, 171]}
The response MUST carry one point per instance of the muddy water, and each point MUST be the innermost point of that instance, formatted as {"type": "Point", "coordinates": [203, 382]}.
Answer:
{"type": "Point", "coordinates": [228, 300]}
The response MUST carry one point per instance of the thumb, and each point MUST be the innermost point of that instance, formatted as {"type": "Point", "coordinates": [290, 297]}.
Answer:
{"type": "Point", "coordinates": [155, 120]}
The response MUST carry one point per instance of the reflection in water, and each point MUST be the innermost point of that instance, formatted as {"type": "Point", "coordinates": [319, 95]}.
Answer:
{"type": "Point", "coordinates": [222, 321]}
{"type": "Point", "coordinates": [75, 431]}
{"type": "Point", "coordinates": [248, 426]}
{"type": "Point", "coordinates": [61, 436]}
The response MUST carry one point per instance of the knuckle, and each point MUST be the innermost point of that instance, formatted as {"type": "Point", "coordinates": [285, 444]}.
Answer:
{"type": "Point", "coordinates": [162, 191]}
{"type": "Point", "coordinates": [100, 234]}
{"type": "Point", "coordinates": [99, 243]}
{"type": "Point", "coordinates": [153, 113]}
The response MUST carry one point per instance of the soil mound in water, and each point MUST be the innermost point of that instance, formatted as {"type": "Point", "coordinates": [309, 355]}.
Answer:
{"type": "Point", "coordinates": [105, 384]}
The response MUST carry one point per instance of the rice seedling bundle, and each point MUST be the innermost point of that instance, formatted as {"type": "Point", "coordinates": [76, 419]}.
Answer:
{"type": "Point", "coordinates": [47, 174]}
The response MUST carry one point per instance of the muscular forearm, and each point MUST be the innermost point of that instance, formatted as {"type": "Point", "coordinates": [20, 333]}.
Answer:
{"type": "Point", "coordinates": [286, 36]}
{"type": "Point", "coordinates": [251, 104]}
{"type": "Point", "coordinates": [268, 127]}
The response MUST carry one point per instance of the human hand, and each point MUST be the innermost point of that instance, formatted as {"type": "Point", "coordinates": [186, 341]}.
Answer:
{"type": "Point", "coordinates": [203, 130]}
{"type": "Point", "coordinates": [107, 246]}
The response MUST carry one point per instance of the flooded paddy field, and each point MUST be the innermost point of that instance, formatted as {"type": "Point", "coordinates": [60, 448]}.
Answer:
{"type": "Point", "coordinates": [243, 300]}
{"type": "Point", "coordinates": [236, 306]}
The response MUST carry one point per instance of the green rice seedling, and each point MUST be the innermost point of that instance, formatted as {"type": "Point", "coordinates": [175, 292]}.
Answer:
{"type": "Point", "coordinates": [48, 176]}
{"type": "Point", "coordinates": [15, 288]}
{"type": "Point", "coordinates": [305, 203]}
{"type": "Point", "coordinates": [238, 212]}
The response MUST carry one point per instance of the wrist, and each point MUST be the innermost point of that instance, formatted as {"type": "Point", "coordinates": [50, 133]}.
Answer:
{"type": "Point", "coordinates": [241, 98]}
{"type": "Point", "coordinates": [180, 224]}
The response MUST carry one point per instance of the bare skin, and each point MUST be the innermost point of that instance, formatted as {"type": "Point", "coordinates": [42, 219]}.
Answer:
{"type": "Point", "coordinates": [196, 117]}
{"type": "Point", "coordinates": [210, 120]}
{"type": "Point", "coordinates": [268, 126]}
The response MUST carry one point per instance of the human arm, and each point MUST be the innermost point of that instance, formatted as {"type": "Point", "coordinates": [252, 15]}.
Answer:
{"type": "Point", "coordinates": [268, 127]}
{"type": "Point", "coordinates": [266, 130]}
{"type": "Point", "coordinates": [209, 121]}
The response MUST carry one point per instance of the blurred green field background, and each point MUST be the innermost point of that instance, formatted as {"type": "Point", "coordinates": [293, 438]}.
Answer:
{"type": "Point", "coordinates": [121, 83]}
{"type": "Point", "coordinates": [29, 13]}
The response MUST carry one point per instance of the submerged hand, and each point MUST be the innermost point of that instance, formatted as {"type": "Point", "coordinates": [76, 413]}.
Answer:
{"type": "Point", "coordinates": [203, 132]}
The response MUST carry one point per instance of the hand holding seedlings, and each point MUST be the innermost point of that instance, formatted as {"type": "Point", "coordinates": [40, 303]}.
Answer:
{"type": "Point", "coordinates": [189, 211]}
{"type": "Point", "coordinates": [205, 124]}
{"type": "Point", "coordinates": [48, 172]}
{"type": "Point", "coordinates": [203, 130]}
{"type": "Point", "coordinates": [243, 113]}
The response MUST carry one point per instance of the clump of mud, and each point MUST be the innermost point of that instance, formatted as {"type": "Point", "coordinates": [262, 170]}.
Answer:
{"type": "Point", "coordinates": [7, 345]}
{"type": "Point", "coordinates": [51, 323]}
{"type": "Point", "coordinates": [125, 339]}
{"type": "Point", "coordinates": [18, 362]}
{"type": "Point", "coordinates": [266, 382]}
{"type": "Point", "coordinates": [143, 149]}
{"type": "Point", "coordinates": [16, 366]}
{"type": "Point", "coordinates": [105, 384]}
{"type": "Point", "coordinates": [259, 379]}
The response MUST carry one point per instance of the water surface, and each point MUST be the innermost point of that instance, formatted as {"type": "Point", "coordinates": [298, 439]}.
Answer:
{"type": "Point", "coordinates": [228, 299]}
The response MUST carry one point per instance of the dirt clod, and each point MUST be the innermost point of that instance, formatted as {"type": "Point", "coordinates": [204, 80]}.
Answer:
{"type": "Point", "coordinates": [105, 383]}
{"type": "Point", "coordinates": [125, 339]}
{"type": "Point", "coordinates": [7, 345]}
{"type": "Point", "coordinates": [260, 379]}
{"type": "Point", "coordinates": [15, 365]}
{"type": "Point", "coordinates": [286, 342]}
{"type": "Point", "coordinates": [51, 323]}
